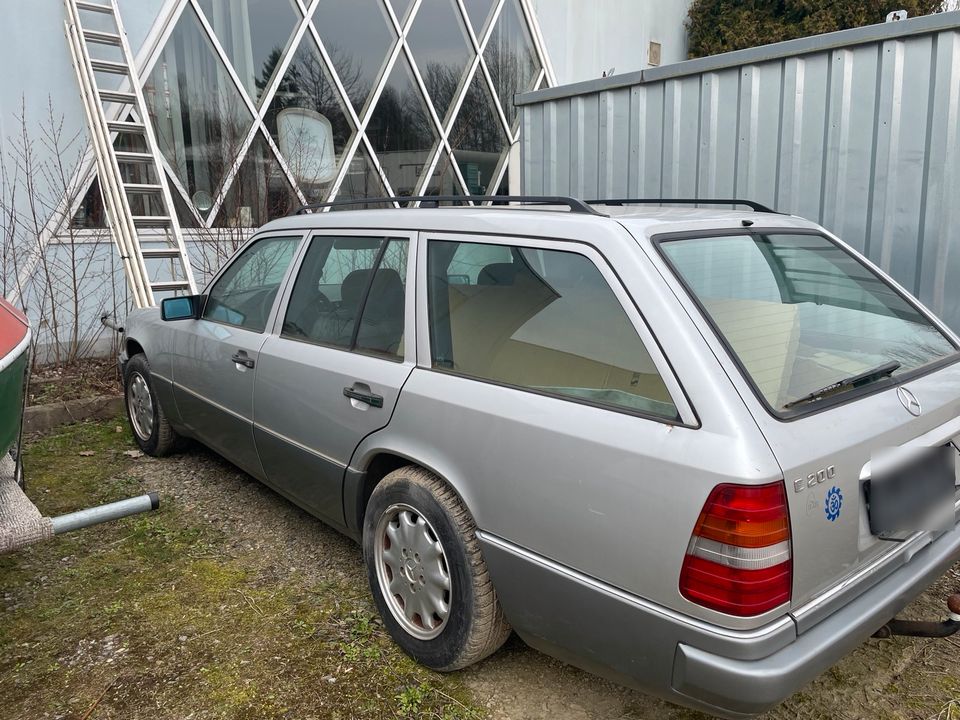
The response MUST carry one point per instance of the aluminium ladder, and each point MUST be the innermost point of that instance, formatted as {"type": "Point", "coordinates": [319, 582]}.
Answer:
{"type": "Point", "coordinates": [155, 261]}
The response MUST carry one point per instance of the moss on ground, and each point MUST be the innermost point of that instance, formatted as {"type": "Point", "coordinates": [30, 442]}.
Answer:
{"type": "Point", "coordinates": [150, 617]}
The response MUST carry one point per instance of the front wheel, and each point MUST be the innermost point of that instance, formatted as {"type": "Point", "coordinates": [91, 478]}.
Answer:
{"type": "Point", "coordinates": [148, 422]}
{"type": "Point", "coordinates": [426, 572]}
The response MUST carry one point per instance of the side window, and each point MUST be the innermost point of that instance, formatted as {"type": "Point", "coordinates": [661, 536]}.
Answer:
{"type": "Point", "coordinates": [244, 294]}
{"type": "Point", "coordinates": [540, 319]}
{"type": "Point", "coordinates": [350, 294]}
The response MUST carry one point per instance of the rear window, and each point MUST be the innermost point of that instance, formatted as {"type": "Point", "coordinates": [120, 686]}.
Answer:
{"type": "Point", "coordinates": [806, 319]}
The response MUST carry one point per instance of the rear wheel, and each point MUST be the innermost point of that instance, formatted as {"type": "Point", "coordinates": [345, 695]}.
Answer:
{"type": "Point", "coordinates": [148, 422]}
{"type": "Point", "coordinates": [427, 575]}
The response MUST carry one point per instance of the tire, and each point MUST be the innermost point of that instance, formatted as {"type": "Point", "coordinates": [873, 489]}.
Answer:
{"type": "Point", "coordinates": [148, 423]}
{"type": "Point", "coordinates": [437, 524]}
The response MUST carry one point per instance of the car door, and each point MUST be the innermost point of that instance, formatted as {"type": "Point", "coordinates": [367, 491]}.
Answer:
{"type": "Point", "coordinates": [215, 355]}
{"type": "Point", "coordinates": [331, 372]}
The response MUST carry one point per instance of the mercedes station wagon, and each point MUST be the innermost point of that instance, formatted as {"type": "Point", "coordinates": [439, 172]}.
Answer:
{"type": "Point", "coordinates": [702, 452]}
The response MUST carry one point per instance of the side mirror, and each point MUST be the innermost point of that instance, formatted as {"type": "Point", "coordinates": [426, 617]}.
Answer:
{"type": "Point", "coordinates": [181, 308]}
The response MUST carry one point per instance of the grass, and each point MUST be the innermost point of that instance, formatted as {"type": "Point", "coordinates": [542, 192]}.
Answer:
{"type": "Point", "coordinates": [150, 617]}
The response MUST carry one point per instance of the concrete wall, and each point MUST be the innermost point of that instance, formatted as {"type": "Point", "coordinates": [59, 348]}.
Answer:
{"type": "Point", "coordinates": [585, 38]}
{"type": "Point", "coordinates": [858, 130]}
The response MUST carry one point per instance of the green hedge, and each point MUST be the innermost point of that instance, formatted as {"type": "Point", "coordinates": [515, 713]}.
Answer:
{"type": "Point", "coordinates": [717, 26]}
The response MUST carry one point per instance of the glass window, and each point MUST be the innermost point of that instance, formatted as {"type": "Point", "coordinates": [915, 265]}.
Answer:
{"type": "Point", "coordinates": [358, 38]}
{"type": "Point", "coordinates": [478, 11]}
{"type": "Point", "coordinates": [362, 180]}
{"type": "Point", "coordinates": [478, 138]}
{"type": "Point", "coordinates": [244, 294]}
{"type": "Point", "coordinates": [440, 46]}
{"type": "Point", "coordinates": [444, 179]}
{"type": "Point", "coordinates": [806, 319]}
{"type": "Point", "coordinates": [511, 58]}
{"type": "Point", "coordinates": [346, 279]}
{"type": "Point", "coordinates": [308, 121]}
{"type": "Point", "coordinates": [253, 34]}
{"type": "Point", "coordinates": [260, 191]}
{"type": "Point", "coordinates": [539, 319]}
{"type": "Point", "coordinates": [200, 118]}
{"type": "Point", "coordinates": [401, 130]}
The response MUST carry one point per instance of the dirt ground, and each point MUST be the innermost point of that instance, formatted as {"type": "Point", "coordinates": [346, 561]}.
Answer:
{"type": "Point", "coordinates": [85, 378]}
{"type": "Point", "coordinates": [230, 602]}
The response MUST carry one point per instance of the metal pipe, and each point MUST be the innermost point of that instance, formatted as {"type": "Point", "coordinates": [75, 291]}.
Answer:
{"type": "Point", "coordinates": [104, 513]}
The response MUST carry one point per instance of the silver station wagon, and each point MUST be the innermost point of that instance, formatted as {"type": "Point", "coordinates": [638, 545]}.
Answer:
{"type": "Point", "coordinates": [646, 439]}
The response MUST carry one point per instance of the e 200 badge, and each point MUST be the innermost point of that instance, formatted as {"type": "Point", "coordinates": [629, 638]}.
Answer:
{"type": "Point", "coordinates": [833, 503]}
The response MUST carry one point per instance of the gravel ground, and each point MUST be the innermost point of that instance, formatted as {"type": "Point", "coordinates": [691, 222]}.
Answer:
{"type": "Point", "coordinates": [897, 678]}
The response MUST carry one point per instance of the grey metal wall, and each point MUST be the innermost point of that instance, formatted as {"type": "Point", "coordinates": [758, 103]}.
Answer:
{"type": "Point", "coordinates": [859, 130]}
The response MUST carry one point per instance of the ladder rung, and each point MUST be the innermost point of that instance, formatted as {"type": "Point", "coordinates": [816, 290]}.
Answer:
{"type": "Point", "coordinates": [94, 7]}
{"type": "Point", "coordinates": [160, 252]}
{"type": "Point", "coordinates": [116, 96]}
{"type": "Point", "coordinates": [170, 285]}
{"type": "Point", "coordinates": [133, 157]}
{"type": "Point", "coordinates": [151, 220]}
{"type": "Point", "coordinates": [110, 66]}
{"type": "Point", "coordinates": [125, 127]}
{"type": "Point", "coordinates": [104, 38]}
{"type": "Point", "coordinates": [143, 187]}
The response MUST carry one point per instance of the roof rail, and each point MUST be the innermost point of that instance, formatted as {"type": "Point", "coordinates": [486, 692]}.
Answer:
{"type": "Point", "coordinates": [755, 206]}
{"type": "Point", "coordinates": [576, 206]}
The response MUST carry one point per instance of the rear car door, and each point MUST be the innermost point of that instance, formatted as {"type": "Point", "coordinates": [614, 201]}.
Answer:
{"type": "Point", "coordinates": [331, 372]}
{"type": "Point", "coordinates": [215, 356]}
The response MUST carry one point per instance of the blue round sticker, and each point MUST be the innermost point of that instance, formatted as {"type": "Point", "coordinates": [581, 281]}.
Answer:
{"type": "Point", "coordinates": [833, 503]}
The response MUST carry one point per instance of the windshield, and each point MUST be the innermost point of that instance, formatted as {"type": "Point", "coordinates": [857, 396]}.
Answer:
{"type": "Point", "coordinates": [802, 315]}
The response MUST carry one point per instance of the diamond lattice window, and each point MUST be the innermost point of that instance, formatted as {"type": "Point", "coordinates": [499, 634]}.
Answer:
{"type": "Point", "coordinates": [258, 108]}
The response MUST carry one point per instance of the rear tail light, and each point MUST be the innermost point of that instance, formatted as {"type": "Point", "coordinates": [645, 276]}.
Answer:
{"type": "Point", "coordinates": [739, 558]}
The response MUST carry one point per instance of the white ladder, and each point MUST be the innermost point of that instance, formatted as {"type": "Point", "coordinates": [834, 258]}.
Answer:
{"type": "Point", "coordinates": [169, 269]}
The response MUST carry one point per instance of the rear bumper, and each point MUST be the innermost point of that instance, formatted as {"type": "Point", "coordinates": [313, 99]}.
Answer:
{"type": "Point", "coordinates": [752, 686]}
{"type": "Point", "coordinates": [727, 673]}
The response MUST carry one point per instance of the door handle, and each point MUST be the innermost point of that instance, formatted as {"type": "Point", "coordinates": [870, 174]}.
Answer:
{"type": "Point", "coordinates": [370, 399]}
{"type": "Point", "coordinates": [241, 358]}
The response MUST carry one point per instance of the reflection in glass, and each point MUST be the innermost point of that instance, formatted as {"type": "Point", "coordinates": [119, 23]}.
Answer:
{"type": "Point", "coordinates": [511, 58]}
{"type": "Point", "coordinates": [401, 131]}
{"type": "Point", "coordinates": [478, 138]}
{"type": "Point", "coordinates": [440, 46]}
{"type": "Point", "coordinates": [260, 191]}
{"type": "Point", "coordinates": [184, 215]}
{"type": "Point", "coordinates": [90, 213]}
{"type": "Point", "coordinates": [362, 180]}
{"type": "Point", "coordinates": [358, 39]}
{"type": "Point", "coordinates": [254, 34]}
{"type": "Point", "coordinates": [308, 122]}
{"type": "Point", "coordinates": [197, 112]}
{"type": "Point", "coordinates": [400, 8]}
{"type": "Point", "coordinates": [478, 11]}
{"type": "Point", "coordinates": [444, 179]}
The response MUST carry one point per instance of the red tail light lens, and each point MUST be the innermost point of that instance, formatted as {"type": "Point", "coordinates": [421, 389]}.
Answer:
{"type": "Point", "coordinates": [739, 560]}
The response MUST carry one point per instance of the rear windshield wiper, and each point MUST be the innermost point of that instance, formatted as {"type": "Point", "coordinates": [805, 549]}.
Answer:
{"type": "Point", "coordinates": [853, 381]}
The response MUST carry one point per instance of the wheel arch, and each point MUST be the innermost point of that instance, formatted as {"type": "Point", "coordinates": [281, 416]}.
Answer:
{"type": "Point", "coordinates": [371, 463]}
{"type": "Point", "coordinates": [132, 347]}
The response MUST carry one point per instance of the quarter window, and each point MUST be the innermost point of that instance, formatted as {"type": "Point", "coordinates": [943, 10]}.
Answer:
{"type": "Point", "coordinates": [540, 319]}
{"type": "Point", "coordinates": [244, 294]}
{"type": "Point", "coordinates": [350, 294]}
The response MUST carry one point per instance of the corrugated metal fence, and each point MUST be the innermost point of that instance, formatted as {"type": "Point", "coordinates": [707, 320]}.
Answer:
{"type": "Point", "coordinates": [859, 130]}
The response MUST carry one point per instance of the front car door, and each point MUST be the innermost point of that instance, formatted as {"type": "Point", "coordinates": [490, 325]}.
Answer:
{"type": "Point", "coordinates": [215, 356]}
{"type": "Point", "coordinates": [332, 370]}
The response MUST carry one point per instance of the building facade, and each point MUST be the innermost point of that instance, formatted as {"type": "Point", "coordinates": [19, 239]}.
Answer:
{"type": "Point", "coordinates": [260, 106]}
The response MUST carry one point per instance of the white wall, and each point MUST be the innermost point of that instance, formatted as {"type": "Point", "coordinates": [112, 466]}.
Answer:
{"type": "Point", "coordinates": [585, 38]}
{"type": "Point", "coordinates": [36, 61]}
